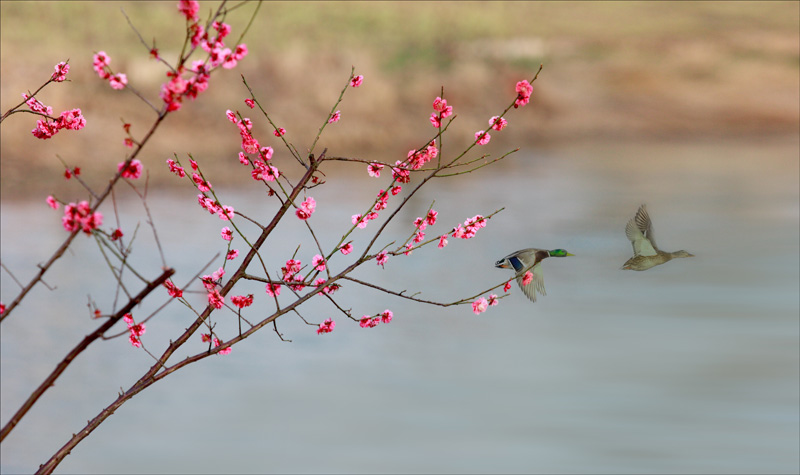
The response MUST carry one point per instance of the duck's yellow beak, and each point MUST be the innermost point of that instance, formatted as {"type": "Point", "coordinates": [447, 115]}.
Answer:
{"type": "Point", "coordinates": [570, 254]}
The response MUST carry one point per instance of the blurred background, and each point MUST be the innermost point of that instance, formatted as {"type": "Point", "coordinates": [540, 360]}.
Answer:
{"type": "Point", "coordinates": [691, 367]}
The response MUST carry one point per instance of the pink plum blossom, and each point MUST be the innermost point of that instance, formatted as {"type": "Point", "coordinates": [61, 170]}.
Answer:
{"type": "Point", "coordinates": [386, 316]}
{"type": "Point", "coordinates": [273, 290]}
{"type": "Point", "coordinates": [222, 352]}
{"type": "Point", "coordinates": [118, 81]}
{"type": "Point", "coordinates": [132, 171]}
{"type": "Point", "coordinates": [318, 262]}
{"type": "Point", "coordinates": [480, 305]}
{"type": "Point", "coordinates": [358, 220]}
{"type": "Point", "coordinates": [528, 278]}
{"type": "Point", "coordinates": [189, 9]}
{"type": "Point", "coordinates": [226, 213]}
{"type": "Point", "coordinates": [382, 257]}
{"type": "Point", "coordinates": [482, 137]}
{"type": "Point", "coordinates": [498, 123]}
{"type": "Point", "coordinates": [357, 81]}
{"type": "Point", "coordinates": [374, 169]}
{"type": "Point", "coordinates": [61, 70]}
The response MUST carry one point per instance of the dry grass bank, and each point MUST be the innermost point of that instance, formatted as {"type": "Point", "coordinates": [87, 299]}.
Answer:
{"type": "Point", "coordinates": [613, 70]}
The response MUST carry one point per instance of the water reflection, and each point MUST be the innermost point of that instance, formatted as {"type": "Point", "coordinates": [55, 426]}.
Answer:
{"type": "Point", "coordinates": [689, 367]}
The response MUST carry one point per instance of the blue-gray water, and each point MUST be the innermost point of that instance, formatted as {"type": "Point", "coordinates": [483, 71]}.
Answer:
{"type": "Point", "coordinates": [690, 367]}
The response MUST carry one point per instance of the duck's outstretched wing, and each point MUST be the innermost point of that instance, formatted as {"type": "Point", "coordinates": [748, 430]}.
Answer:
{"type": "Point", "coordinates": [640, 233]}
{"type": "Point", "coordinates": [536, 285]}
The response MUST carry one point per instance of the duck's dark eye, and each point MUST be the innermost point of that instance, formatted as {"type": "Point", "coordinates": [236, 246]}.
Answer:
{"type": "Point", "coordinates": [498, 262]}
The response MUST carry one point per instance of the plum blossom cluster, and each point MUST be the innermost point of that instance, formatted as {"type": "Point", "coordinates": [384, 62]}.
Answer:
{"type": "Point", "coordinates": [262, 168]}
{"type": "Point", "coordinates": [326, 327]}
{"type": "Point", "coordinates": [178, 87]}
{"type": "Point", "coordinates": [469, 228]}
{"type": "Point", "coordinates": [368, 321]}
{"type": "Point", "coordinates": [224, 212]}
{"type": "Point", "coordinates": [414, 161]}
{"type": "Point", "coordinates": [306, 208]}
{"type": "Point", "coordinates": [212, 42]}
{"type": "Point", "coordinates": [291, 276]}
{"type": "Point", "coordinates": [175, 168]}
{"type": "Point", "coordinates": [136, 329]}
{"type": "Point", "coordinates": [70, 172]}
{"type": "Point", "coordinates": [209, 204]}
{"type": "Point", "coordinates": [242, 301]}
{"type": "Point", "coordinates": [101, 64]}
{"type": "Point", "coordinates": [479, 306]}
{"type": "Point", "coordinates": [524, 91]}
{"type": "Point", "coordinates": [211, 283]}
{"type": "Point", "coordinates": [422, 223]}
{"type": "Point", "coordinates": [45, 128]}
{"type": "Point", "coordinates": [172, 289]}
{"type": "Point", "coordinates": [206, 337]}
{"type": "Point", "coordinates": [417, 158]}
{"type": "Point", "coordinates": [80, 217]}
{"type": "Point", "coordinates": [326, 289]}
{"type": "Point", "coordinates": [441, 111]}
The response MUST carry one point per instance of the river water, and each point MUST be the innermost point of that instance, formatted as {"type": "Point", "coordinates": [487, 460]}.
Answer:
{"type": "Point", "coordinates": [690, 367]}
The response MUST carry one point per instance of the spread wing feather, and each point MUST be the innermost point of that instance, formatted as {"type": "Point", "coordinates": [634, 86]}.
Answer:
{"type": "Point", "coordinates": [639, 231]}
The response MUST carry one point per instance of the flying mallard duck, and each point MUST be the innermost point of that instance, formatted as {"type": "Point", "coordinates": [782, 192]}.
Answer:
{"type": "Point", "coordinates": [645, 251]}
{"type": "Point", "coordinates": [530, 260]}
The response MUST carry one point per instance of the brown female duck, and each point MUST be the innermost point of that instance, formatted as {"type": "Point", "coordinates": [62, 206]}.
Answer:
{"type": "Point", "coordinates": [645, 251]}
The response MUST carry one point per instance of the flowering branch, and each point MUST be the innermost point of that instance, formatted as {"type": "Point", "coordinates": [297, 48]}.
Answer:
{"type": "Point", "coordinates": [328, 270]}
{"type": "Point", "coordinates": [89, 339]}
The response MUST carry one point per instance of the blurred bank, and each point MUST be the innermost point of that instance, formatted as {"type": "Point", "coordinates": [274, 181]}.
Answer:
{"type": "Point", "coordinates": [612, 70]}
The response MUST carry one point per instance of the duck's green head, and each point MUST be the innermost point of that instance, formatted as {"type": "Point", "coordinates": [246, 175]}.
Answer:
{"type": "Point", "coordinates": [559, 253]}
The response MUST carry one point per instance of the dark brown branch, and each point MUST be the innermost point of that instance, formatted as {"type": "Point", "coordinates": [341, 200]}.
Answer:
{"type": "Point", "coordinates": [50, 380]}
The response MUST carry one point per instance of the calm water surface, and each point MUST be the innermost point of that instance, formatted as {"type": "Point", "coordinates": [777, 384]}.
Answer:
{"type": "Point", "coordinates": [691, 367]}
